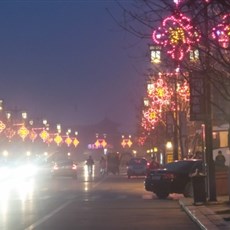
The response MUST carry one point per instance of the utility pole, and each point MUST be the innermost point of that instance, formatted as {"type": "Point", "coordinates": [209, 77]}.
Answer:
{"type": "Point", "coordinates": [208, 142]}
{"type": "Point", "coordinates": [208, 114]}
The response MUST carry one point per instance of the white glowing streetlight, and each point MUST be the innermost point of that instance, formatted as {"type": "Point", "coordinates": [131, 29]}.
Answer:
{"type": "Point", "coordinates": [5, 153]}
{"type": "Point", "coordinates": [59, 128]}
{"type": "Point", "coordinates": [169, 145]}
{"type": "Point", "coordinates": [24, 115]}
{"type": "Point", "coordinates": [8, 115]}
{"type": "Point", "coordinates": [44, 122]}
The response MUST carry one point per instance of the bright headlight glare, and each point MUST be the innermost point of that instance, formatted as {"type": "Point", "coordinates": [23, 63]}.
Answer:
{"type": "Point", "coordinates": [26, 170]}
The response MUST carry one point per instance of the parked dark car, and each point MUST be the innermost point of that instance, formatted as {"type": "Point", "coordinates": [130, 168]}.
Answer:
{"type": "Point", "coordinates": [137, 166]}
{"type": "Point", "coordinates": [174, 177]}
{"type": "Point", "coordinates": [67, 168]}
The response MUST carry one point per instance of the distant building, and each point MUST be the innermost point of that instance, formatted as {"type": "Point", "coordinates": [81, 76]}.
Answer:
{"type": "Point", "coordinates": [106, 130]}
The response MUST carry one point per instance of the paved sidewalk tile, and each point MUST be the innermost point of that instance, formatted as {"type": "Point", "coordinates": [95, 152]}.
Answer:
{"type": "Point", "coordinates": [203, 215]}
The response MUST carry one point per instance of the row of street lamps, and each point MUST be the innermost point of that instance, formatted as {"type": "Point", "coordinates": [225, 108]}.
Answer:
{"type": "Point", "coordinates": [11, 126]}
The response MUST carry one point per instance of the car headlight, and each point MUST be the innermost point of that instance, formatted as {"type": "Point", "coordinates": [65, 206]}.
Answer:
{"type": "Point", "coordinates": [26, 170]}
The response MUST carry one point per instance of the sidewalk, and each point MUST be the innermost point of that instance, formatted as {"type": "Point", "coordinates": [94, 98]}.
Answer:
{"type": "Point", "coordinates": [211, 215]}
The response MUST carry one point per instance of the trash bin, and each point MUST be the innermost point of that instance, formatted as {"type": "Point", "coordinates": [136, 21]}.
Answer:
{"type": "Point", "coordinates": [199, 193]}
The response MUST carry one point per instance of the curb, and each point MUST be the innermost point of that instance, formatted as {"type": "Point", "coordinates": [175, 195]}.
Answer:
{"type": "Point", "coordinates": [203, 216]}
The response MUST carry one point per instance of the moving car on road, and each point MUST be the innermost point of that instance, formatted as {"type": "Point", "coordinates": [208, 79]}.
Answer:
{"type": "Point", "coordinates": [67, 168]}
{"type": "Point", "coordinates": [137, 166]}
{"type": "Point", "coordinates": [173, 178]}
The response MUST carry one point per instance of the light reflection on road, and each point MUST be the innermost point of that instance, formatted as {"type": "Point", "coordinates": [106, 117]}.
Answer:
{"type": "Point", "coordinates": [88, 173]}
{"type": "Point", "coordinates": [23, 191]}
{"type": "Point", "coordinates": [88, 176]}
{"type": "Point", "coordinates": [18, 189]}
{"type": "Point", "coordinates": [14, 189]}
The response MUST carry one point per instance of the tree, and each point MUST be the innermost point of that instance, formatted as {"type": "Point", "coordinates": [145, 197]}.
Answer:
{"type": "Point", "coordinates": [210, 21]}
{"type": "Point", "coordinates": [196, 35]}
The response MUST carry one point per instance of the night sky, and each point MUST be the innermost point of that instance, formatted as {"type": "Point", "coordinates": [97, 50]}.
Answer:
{"type": "Point", "coordinates": [69, 62]}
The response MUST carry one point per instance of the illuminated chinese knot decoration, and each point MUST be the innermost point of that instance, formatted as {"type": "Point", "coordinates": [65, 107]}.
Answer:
{"type": "Point", "coordinates": [221, 33]}
{"type": "Point", "coordinates": [161, 98]}
{"type": "Point", "coordinates": [44, 135]}
{"type": "Point", "coordinates": [75, 142]}
{"type": "Point", "coordinates": [145, 124]}
{"type": "Point", "coordinates": [160, 94]}
{"type": "Point", "coordinates": [100, 143]}
{"type": "Point", "coordinates": [151, 116]}
{"type": "Point", "coordinates": [68, 141]}
{"type": "Point", "coordinates": [58, 139]}
{"type": "Point", "coordinates": [183, 91]}
{"type": "Point", "coordinates": [126, 143]}
{"type": "Point", "coordinates": [2, 126]}
{"type": "Point", "coordinates": [23, 132]}
{"type": "Point", "coordinates": [177, 35]}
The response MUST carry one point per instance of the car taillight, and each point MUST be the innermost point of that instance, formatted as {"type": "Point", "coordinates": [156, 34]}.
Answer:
{"type": "Point", "coordinates": [74, 167]}
{"type": "Point", "coordinates": [168, 176]}
{"type": "Point", "coordinates": [55, 167]}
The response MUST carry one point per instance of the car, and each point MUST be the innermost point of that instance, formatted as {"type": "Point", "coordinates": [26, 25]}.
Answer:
{"type": "Point", "coordinates": [174, 177]}
{"type": "Point", "coordinates": [137, 166]}
{"type": "Point", "coordinates": [67, 168]}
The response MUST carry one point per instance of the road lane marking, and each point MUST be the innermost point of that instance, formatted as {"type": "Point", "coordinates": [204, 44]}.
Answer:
{"type": "Point", "coordinates": [45, 218]}
{"type": "Point", "coordinates": [98, 183]}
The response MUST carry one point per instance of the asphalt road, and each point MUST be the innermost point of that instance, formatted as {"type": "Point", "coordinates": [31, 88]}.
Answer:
{"type": "Point", "coordinates": [94, 202]}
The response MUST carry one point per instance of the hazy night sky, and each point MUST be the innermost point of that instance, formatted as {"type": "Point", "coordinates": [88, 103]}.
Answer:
{"type": "Point", "coordinates": [69, 62]}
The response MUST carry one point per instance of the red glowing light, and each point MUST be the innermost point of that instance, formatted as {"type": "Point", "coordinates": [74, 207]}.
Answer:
{"type": "Point", "coordinates": [162, 94]}
{"type": "Point", "coordinates": [221, 33]}
{"type": "Point", "coordinates": [33, 135]}
{"type": "Point", "coordinates": [9, 132]}
{"type": "Point", "coordinates": [177, 35]}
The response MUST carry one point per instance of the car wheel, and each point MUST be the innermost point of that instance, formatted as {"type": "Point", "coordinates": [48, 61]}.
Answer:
{"type": "Point", "coordinates": [188, 190]}
{"type": "Point", "coordinates": [162, 195]}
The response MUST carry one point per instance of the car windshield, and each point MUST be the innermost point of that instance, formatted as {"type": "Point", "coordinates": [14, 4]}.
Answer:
{"type": "Point", "coordinates": [65, 163]}
{"type": "Point", "coordinates": [136, 161]}
{"type": "Point", "coordinates": [183, 166]}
